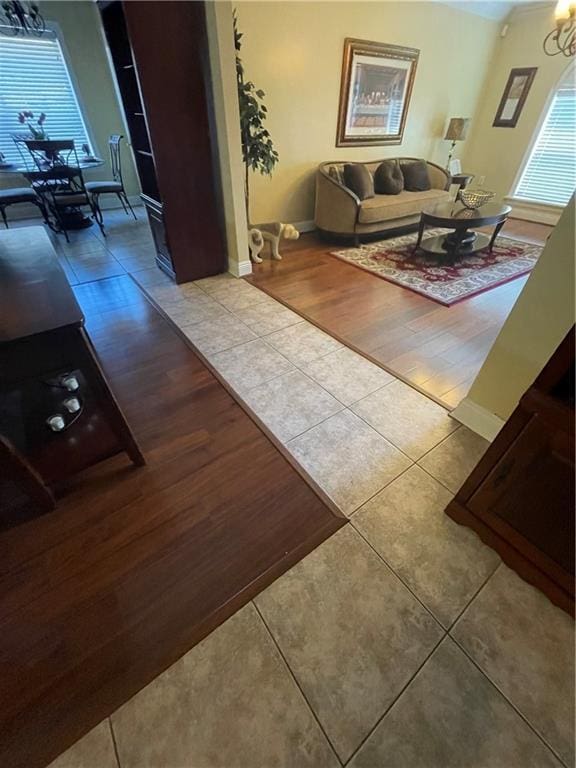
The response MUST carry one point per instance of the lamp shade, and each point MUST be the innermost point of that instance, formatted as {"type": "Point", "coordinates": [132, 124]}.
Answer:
{"type": "Point", "coordinates": [564, 10]}
{"type": "Point", "coordinates": [457, 128]}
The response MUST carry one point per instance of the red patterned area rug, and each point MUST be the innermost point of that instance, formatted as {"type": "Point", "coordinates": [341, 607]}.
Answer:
{"type": "Point", "coordinates": [447, 284]}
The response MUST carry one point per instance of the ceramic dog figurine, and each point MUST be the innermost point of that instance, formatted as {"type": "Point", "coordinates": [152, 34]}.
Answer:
{"type": "Point", "coordinates": [272, 233]}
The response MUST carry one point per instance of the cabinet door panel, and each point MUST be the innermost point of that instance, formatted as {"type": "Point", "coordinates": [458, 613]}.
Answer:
{"type": "Point", "coordinates": [531, 489]}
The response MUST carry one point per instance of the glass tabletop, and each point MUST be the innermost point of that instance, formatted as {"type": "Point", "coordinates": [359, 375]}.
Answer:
{"type": "Point", "coordinates": [457, 211]}
{"type": "Point", "coordinates": [22, 170]}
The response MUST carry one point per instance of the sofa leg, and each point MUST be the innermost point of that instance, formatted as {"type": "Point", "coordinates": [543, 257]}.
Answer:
{"type": "Point", "coordinates": [356, 241]}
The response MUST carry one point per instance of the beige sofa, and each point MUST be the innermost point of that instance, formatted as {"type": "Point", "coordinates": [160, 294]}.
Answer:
{"type": "Point", "coordinates": [340, 212]}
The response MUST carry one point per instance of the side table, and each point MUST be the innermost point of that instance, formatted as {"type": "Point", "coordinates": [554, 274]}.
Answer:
{"type": "Point", "coordinates": [462, 179]}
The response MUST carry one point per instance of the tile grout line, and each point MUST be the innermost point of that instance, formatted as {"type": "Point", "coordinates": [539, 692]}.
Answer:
{"type": "Point", "coordinates": [414, 461]}
{"type": "Point", "coordinates": [303, 372]}
{"type": "Point", "coordinates": [446, 631]}
{"type": "Point", "coordinates": [296, 366]}
{"type": "Point", "coordinates": [113, 735]}
{"type": "Point", "coordinates": [346, 406]}
{"type": "Point", "coordinates": [359, 507]}
{"type": "Point", "coordinates": [509, 701]}
{"type": "Point", "coordinates": [391, 569]}
{"type": "Point", "coordinates": [474, 596]}
{"type": "Point", "coordinates": [209, 357]}
{"type": "Point", "coordinates": [295, 680]}
{"type": "Point", "coordinates": [397, 697]}
{"type": "Point", "coordinates": [450, 490]}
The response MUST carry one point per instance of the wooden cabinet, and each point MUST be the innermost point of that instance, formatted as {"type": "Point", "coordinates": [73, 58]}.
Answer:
{"type": "Point", "coordinates": [48, 370]}
{"type": "Point", "coordinates": [520, 497]}
{"type": "Point", "coordinates": [159, 55]}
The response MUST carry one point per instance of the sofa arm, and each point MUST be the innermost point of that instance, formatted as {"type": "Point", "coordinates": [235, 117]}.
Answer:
{"type": "Point", "coordinates": [336, 206]}
{"type": "Point", "coordinates": [439, 177]}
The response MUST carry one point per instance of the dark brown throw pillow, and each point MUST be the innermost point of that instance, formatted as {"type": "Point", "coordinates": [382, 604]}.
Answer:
{"type": "Point", "coordinates": [416, 178]}
{"type": "Point", "coordinates": [388, 178]}
{"type": "Point", "coordinates": [359, 179]}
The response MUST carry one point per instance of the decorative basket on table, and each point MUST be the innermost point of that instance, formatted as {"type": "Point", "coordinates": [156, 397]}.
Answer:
{"type": "Point", "coordinates": [474, 198]}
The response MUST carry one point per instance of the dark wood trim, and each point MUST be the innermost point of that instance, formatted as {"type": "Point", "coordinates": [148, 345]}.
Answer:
{"type": "Point", "coordinates": [500, 122]}
{"type": "Point", "coordinates": [280, 447]}
{"type": "Point", "coordinates": [168, 83]}
{"type": "Point", "coordinates": [15, 468]}
{"type": "Point", "coordinates": [519, 498]}
{"type": "Point", "coordinates": [330, 332]}
{"type": "Point", "coordinates": [512, 557]}
{"type": "Point", "coordinates": [403, 332]}
{"type": "Point", "coordinates": [381, 50]}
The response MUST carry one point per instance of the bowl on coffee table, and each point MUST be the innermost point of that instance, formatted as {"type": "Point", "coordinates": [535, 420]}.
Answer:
{"type": "Point", "coordinates": [475, 198]}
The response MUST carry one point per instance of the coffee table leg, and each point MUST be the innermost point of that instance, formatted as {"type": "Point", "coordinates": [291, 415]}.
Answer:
{"type": "Point", "coordinates": [456, 243]}
{"type": "Point", "coordinates": [497, 229]}
{"type": "Point", "coordinates": [420, 233]}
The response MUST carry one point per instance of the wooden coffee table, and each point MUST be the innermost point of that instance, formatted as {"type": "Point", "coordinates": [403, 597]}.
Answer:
{"type": "Point", "coordinates": [462, 240]}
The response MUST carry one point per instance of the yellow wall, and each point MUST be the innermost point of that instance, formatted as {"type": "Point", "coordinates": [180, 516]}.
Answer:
{"type": "Point", "coordinates": [293, 51]}
{"type": "Point", "coordinates": [542, 316]}
{"type": "Point", "coordinates": [498, 153]}
{"type": "Point", "coordinates": [79, 23]}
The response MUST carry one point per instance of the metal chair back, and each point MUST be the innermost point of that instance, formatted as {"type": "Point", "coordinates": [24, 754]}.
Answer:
{"type": "Point", "coordinates": [115, 159]}
{"type": "Point", "coordinates": [58, 178]}
{"type": "Point", "coordinates": [49, 153]}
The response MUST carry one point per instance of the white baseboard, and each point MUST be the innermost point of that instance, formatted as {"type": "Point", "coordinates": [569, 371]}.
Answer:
{"type": "Point", "coordinates": [241, 269]}
{"type": "Point", "coordinates": [478, 419]}
{"type": "Point", "coordinates": [541, 214]}
{"type": "Point", "coordinates": [304, 226]}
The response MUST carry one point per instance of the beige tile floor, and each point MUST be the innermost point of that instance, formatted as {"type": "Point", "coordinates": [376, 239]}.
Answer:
{"type": "Point", "coordinates": [402, 641]}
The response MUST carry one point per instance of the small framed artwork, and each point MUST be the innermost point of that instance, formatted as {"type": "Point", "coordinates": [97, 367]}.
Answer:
{"type": "Point", "coordinates": [514, 97]}
{"type": "Point", "coordinates": [375, 89]}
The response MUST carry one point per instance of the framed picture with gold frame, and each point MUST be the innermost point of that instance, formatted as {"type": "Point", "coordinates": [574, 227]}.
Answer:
{"type": "Point", "coordinates": [514, 97]}
{"type": "Point", "coordinates": [375, 90]}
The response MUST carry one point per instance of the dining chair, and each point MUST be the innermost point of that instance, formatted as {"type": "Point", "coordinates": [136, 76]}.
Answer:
{"type": "Point", "coordinates": [57, 178]}
{"type": "Point", "coordinates": [115, 186]}
{"type": "Point", "coordinates": [18, 195]}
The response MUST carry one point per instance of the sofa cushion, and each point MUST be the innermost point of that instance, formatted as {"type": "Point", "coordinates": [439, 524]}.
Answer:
{"type": "Point", "coordinates": [416, 178]}
{"type": "Point", "coordinates": [359, 179]}
{"type": "Point", "coordinates": [388, 178]}
{"type": "Point", "coordinates": [386, 207]}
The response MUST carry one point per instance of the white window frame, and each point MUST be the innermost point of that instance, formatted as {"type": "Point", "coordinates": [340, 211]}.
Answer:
{"type": "Point", "coordinates": [54, 27]}
{"type": "Point", "coordinates": [520, 201]}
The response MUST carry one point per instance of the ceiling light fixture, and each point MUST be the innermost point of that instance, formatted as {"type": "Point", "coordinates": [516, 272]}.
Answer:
{"type": "Point", "coordinates": [562, 39]}
{"type": "Point", "coordinates": [21, 18]}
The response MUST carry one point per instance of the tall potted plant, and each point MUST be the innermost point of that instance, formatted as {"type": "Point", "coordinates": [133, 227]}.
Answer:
{"type": "Point", "coordinates": [257, 148]}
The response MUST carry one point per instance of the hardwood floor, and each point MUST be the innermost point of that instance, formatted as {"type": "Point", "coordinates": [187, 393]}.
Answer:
{"type": "Point", "coordinates": [438, 349]}
{"type": "Point", "coordinates": [137, 565]}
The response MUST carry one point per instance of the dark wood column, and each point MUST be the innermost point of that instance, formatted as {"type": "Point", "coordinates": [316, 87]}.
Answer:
{"type": "Point", "coordinates": [160, 56]}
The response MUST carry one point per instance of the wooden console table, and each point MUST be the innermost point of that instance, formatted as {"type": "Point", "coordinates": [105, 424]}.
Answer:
{"type": "Point", "coordinates": [49, 368]}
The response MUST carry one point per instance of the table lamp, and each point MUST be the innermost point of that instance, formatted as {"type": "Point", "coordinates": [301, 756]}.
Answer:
{"type": "Point", "coordinates": [456, 131]}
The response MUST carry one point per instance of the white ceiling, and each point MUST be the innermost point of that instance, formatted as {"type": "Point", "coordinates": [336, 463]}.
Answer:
{"type": "Point", "coordinates": [489, 9]}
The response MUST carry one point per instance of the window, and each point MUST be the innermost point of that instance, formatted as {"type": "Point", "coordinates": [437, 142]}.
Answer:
{"type": "Point", "coordinates": [34, 76]}
{"type": "Point", "coordinates": [550, 173]}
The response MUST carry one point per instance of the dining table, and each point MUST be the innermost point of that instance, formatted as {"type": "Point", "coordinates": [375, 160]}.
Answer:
{"type": "Point", "coordinates": [75, 219]}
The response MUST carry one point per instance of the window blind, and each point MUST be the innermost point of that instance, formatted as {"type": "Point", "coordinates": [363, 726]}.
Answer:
{"type": "Point", "coordinates": [550, 173]}
{"type": "Point", "coordinates": [34, 76]}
